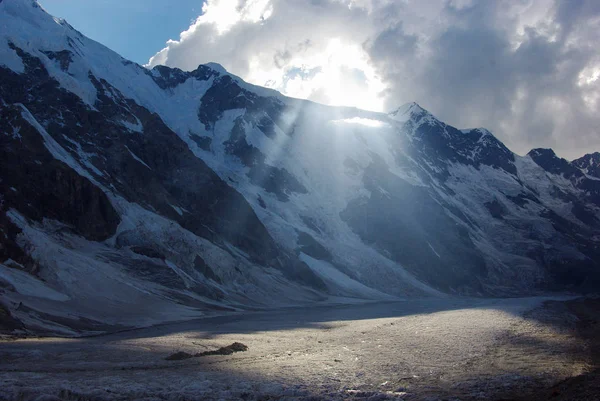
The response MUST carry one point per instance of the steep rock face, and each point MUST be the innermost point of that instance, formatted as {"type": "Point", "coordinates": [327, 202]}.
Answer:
{"type": "Point", "coordinates": [443, 144]}
{"type": "Point", "coordinates": [40, 186]}
{"type": "Point", "coordinates": [588, 184]}
{"type": "Point", "coordinates": [261, 112]}
{"type": "Point", "coordinates": [589, 164]}
{"type": "Point", "coordinates": [408, 224]}
{"type": "Point", "coordinates": [165, 194]}
{"type": "Point", "coordinates": [94, 180]}
{"type": "Point", "coordinates": [170, 175]}
{"type": "Point", "coordinates": [547, 159]}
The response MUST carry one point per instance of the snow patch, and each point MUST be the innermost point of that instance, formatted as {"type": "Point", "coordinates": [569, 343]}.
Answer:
{"type": "Point", "coordinates": [26, 284]}
{"type": "Point", "coordinates": [16, 134]}
{"type": "Point", "coordinates": [53, 147]}
{"type": "Point", "coordinates": [9, 58]}
{"type": "Point", "coordinates": [137, 127]}
{"type": "Point", "coordinates": [177, 209]}
{"type": "Point", "coordinates": [338, 280]}
{"type": "Point", "coordinates": [136, 157]}
{"type": "Point", "coordinates": [85, 157]}
{"type": "Point", "coordinates": [433, 249]}
{"type": "Point", "coordinates": [367, 122]}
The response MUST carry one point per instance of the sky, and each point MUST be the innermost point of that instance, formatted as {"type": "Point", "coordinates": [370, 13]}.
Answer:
{"type": "Point", "coordinates": [136, 29]}
{"type": "Point", "coordinates": [528, 70]}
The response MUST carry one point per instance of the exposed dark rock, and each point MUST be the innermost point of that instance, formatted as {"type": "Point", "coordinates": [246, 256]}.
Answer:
{"type": "Point", "coordinates": [203, 142]}
{"type": "Point", "coordinates": [266, 125]}
{"type": "Point", "coordinates": [168, 77]}
{"type": "Point", "coordinates": [77, 323]}
{"type": "Point", "coordinates": [407, 224]}
{"type": "Point", "coordinates": [296, 270]}
{"type": "Point", "coordinates": [547, 159]}
{"type": "Point", "coordinates": [589, 163]}
{"type": "Point", "coordinates": [584, 214]}
{"type": "Point", "coordinates": [487, 150]}
{"type": "Point", "coordinates": [148, 251]}
{"type": "Point", "coordinates": [441, 144]}
{"type": "Point", "coordinates": [8, 323]}
{"type": "Point", "coordinates": [40, 186]}
{"type": "Point", "coordinates": [152, 271]}
{"type": "Point", "coordinates": [590, 189]}
{"type": "Point", "coordinates": [496, 209]}
{"type": "Point", "coordinates": [169, 175]}
{"type": "Point", "coordinates": [226, 94]}
{"type": "Point", "coordinates": [566, 271]}
{"type": "Point", "coordinates": [261, 202]}
{"type": "Point", "coordinates": [228, 350]}
{"type": "Point", "coordinates": [522, 199]}
{"type": "Point", "coordinates": [201, 266]}
{"type": "Point", "coordinates": [238, 146]}
{"type": "Point", "coordinates": [63, 57]}
{"type": "Point", "coordinates": [576, 172]}
{"type": "Point", "coordinates": [179, 356]}
{"type": "Point", "coordinates": [276, 180]}
{"type": "Point", "coordinates": [310, 223]}
{"type": "Point", "coordinates": [312, 247]}
{"type": "Point", "coordinates": [9, 248]}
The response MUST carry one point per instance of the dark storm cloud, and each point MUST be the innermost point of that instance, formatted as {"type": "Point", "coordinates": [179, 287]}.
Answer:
{"type": "Point", "coordinates": [478, 71]}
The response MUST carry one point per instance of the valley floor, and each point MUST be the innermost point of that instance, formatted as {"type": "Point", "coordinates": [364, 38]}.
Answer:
{"type": "Point", "coordinates": [450, 349]}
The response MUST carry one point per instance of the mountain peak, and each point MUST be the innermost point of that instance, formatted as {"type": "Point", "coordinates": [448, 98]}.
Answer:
{"type": "Point", "coordinates": [20, 7]}
{"type": "Point", "coordinates": [408, 111]}
{"type": "Point", "coordinates": [589, 164]}
{"type": "Point", "coordinates": [15, 15]}
{"type": "Point", "coordinates": [410, 107]}
{"type": "Point", "coordinates": [27, 3]}
{"type": "Point", "coordinates": [484, 131]}
{"type": "Point", "coordinates": [549, 161]}
{"type": "Point", "coordinates": [217, 67]}
{"type": "Point", "coordinates": [590, 158]}
{"type": "Point", "coordinates": [541, 152]}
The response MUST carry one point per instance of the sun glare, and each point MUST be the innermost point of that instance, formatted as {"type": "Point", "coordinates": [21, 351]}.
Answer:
{"type": "Point", "coordinates": [348, 79]}
{"type": "Point", "coordinates": [367, 122]}
{"type": "Point", "coordinates": [338, 74]}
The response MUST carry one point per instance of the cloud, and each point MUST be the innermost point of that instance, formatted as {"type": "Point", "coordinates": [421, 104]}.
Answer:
{"type": "Point", "coordinates": [528, 70]}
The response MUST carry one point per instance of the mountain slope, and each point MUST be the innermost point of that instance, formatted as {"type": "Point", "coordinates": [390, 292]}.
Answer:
{"type": "Point", "coordinates": [131, 196]}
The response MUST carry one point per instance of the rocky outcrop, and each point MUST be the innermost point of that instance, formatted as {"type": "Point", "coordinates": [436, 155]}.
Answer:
{"type": "Point", "coordinates": [39, 186]}
{"type": "Point", "coordinates": [153, 167]}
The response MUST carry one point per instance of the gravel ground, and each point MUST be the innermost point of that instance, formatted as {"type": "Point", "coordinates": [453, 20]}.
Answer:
{"type": "Point", "coordinates": [451, 349]}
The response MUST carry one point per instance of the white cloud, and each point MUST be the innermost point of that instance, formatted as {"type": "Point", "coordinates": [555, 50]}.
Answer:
{"type": "Point", "coordinates": [304, 49]}
{"type": "Point", "coordinates": [526, 69]}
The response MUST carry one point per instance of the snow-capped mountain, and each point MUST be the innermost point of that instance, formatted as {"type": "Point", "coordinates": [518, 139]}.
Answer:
{"type": "Point", "coordinates": [589, 164]}
{"type": "Point", "coordinates": [131, 196]}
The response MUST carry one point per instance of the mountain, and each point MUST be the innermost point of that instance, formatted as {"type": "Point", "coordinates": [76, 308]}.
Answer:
{"type": "Point", "coordinates": [589, 164]}
{"type": "Point", "coordinates": [131, 196]}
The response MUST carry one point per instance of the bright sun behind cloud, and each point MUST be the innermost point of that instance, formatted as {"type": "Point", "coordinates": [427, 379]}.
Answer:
{"type": "Point", "coordinates": [523, 67]}
{"type": "Point", "coordinates": [338, 75]}
{"type": "Point", "coordinates": [334, 71]}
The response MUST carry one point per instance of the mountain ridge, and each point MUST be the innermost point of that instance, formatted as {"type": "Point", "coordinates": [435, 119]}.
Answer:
{"type": "Point", "coordinates": [132, 196]}
{"type": "Point", "coordinates": [221, 70]}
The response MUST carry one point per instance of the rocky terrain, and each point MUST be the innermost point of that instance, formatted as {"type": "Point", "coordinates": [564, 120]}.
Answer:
{"type": "Point", "coordinates": [458, 349]}
{"type": "Point", "coordinates": [130, 197]}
